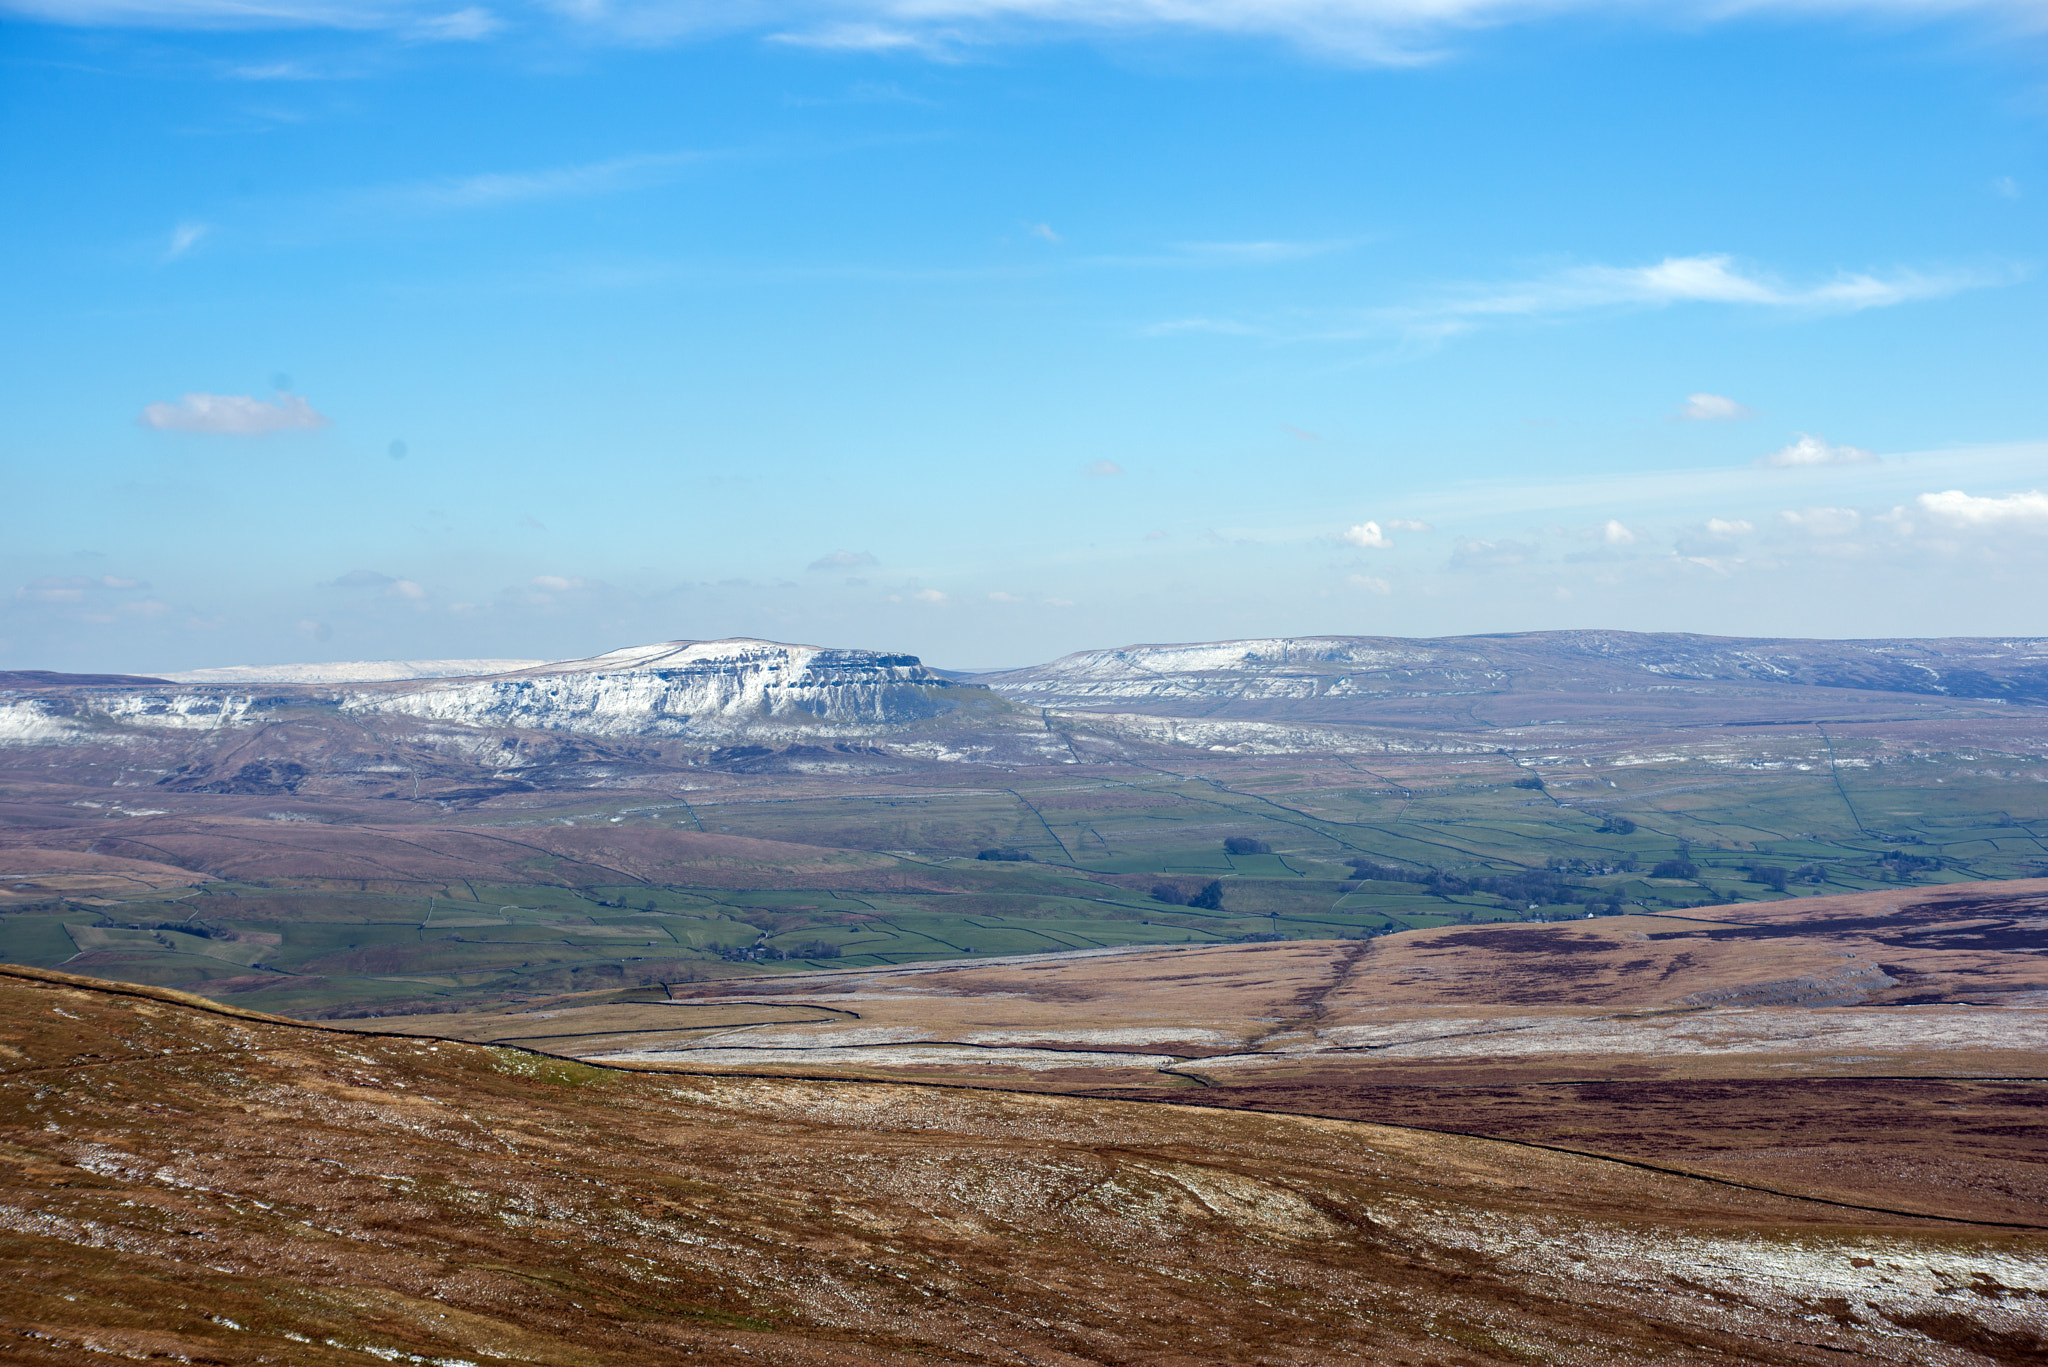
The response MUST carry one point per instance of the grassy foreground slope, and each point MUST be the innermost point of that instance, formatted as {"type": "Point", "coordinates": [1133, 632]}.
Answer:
{"type": "Point", "coordinates": [191, 1183]}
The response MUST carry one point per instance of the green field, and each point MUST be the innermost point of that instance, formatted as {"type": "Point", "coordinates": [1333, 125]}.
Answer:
{"type": "Point", "coordinates": [1441, 842]}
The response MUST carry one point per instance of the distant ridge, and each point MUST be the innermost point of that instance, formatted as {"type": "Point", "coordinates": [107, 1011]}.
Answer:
{"type": "Point", "coordinates": [347, 671]}
{"type": "Point", "coordinates": [45, 678]}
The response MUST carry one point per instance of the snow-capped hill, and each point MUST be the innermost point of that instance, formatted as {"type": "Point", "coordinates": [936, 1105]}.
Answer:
{"type": "Point", "coordinates": [1277, 667]}
{"type": "Point", "coordinates": [688, 688]}
{"type": "Point", "coordinates": [1367, 678]}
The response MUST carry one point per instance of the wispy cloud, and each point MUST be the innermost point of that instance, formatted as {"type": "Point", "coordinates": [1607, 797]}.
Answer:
{"type": "Point", "coordinates": [361, 579]}
{"type": "Point", "coordinates": [844, 560]}
{"type": "Point", "coordinates": [1376, 32]}
{"type": "Point", "coordinates": [1709, 279]}
{"type": "Point", "coordinates": [1365, 32]}
{"type": "Point", "coordinates": [494, 189]}
{"type": "Point", "coordinates": [1101, 469]}
{"type": "Point", "coordinates": [1704, 279]}
{"type": "Point", "coordinates": [1222, 327]}
{"type": "Point", "coordinates": [1823, 521]}
{"type": "Point", "coordinates": [184, 238]}
{"type": "Point", "coordinates": [409, 19]}
{"type": "Point", "coordinates": [232, 415]}
{"type": "Point", "coordinates": [468, 25]}
{"type": "Point", "coordinates": [1713, 408]}
{"type": "Point", "coordinates": [71, 588]}
{"type": "Point", "coordinates": [1254, 253]}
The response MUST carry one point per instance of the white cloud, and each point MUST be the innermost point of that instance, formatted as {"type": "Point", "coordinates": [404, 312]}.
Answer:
{"type": "Point", "coordinates": [234, 415]}
{"type": "Point", "coordinates": [1615, 534]}
{"type": "Point", "coordinates": [1366, 536]}
{"type": "Point", "coordinates": [1814, 450]}
{"type": "Point", "coordinates": [2005, 187]}
{"type": "Point", "coordinates": [1001, 597]}
{"type": "Point", "coordinates": [1713, 408]}
{"type": "Point", "coordinates": [406, 588]}
{"type": "Point", "coordinates": [555, 583]}
{"type": "Point", "coordinates": [2029, 510]}
{"type": "Point", "coordinates": [1099, 469]}
{"type": "Point", "coordinates": [1824, 521]}
{"type": "Point", "coordinates": [1368, 584]}
{"type": "Point", "coordinates": [929, 596]}
{"type": "Point", "coordinates": [1408, 524]}
{"type": "Point", "coordinates": [1044, 232]}
{"type": "Point", "coordinates": [1736, 527]}
{"type": "Point", "coordinates": [1059, 602]}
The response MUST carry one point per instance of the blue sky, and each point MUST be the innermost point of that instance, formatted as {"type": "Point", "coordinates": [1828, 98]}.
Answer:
{"type": "Point", "coordinates": [992, 329]}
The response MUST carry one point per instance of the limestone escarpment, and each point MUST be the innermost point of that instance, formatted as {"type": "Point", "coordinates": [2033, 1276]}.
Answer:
{"type": "Point", "coordinates": [688, 688]}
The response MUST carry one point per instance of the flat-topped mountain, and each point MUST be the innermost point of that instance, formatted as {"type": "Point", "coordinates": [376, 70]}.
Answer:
{"type": "Point", "coordinates": [682, 688]}
{"type": "Point", "coordinates": [714, 692]}
{"type": "Point", "coordinates": [1383, 678]}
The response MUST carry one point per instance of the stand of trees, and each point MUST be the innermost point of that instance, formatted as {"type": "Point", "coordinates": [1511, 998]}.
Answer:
{"type": "Point", "coordinates": [1209, 898]}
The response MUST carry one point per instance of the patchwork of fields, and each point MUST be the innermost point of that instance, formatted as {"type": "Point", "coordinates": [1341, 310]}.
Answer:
{"type": "Point", "coordinates": [397, 907]}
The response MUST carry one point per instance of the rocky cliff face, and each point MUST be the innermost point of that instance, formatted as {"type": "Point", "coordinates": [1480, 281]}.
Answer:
{"type": "Point", "coordinates": [707, 689]}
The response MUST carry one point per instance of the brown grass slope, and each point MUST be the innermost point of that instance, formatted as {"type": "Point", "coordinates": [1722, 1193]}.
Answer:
{"type": "Point", "coordinates": [194, 1183]}
{"type": "Point", "coordinates": [1883, 1049]}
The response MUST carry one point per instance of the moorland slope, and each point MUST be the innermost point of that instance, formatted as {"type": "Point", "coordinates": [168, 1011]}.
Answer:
{"type": "Point", "coordinates": [1878, 1049]}
{"type": "Point", "coordinates": [191, 1183]}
